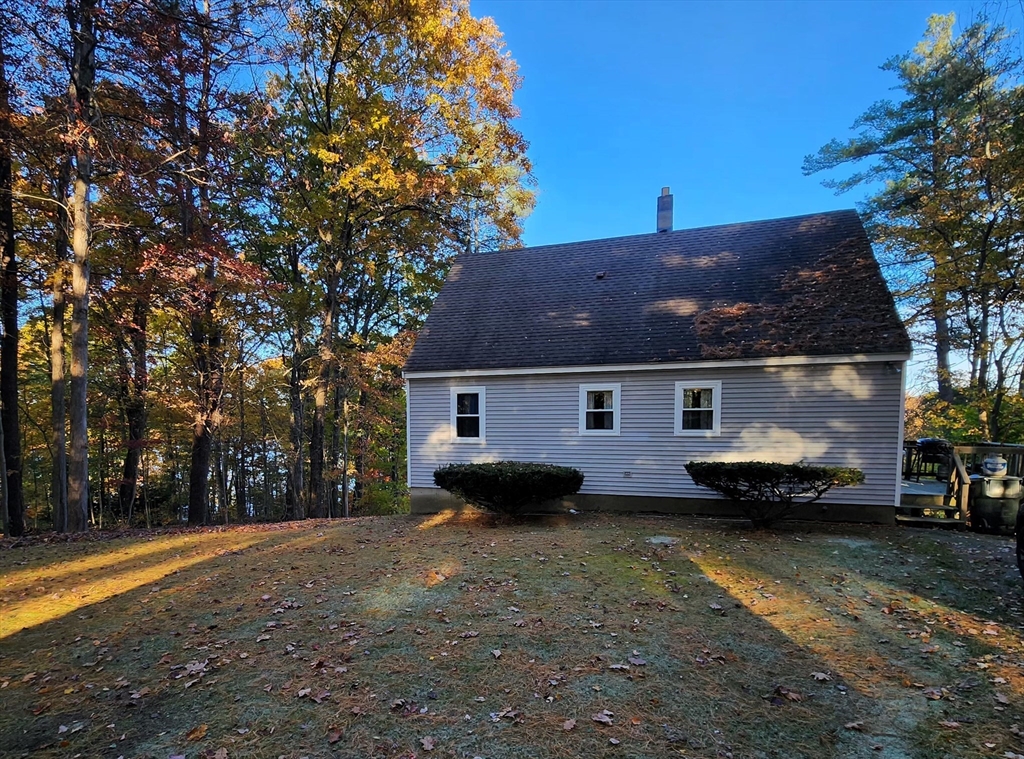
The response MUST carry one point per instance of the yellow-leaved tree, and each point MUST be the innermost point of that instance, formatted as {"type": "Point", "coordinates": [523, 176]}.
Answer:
{"type": "Point", "coordinates": [395, 150]}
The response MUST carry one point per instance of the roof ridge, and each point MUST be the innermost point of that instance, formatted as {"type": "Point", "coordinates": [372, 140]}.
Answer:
{"type": "Point", "coordinates": [616, 238]}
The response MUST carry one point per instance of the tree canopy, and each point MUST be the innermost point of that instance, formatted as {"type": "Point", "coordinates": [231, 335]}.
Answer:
{"type": "Point", "coordinates": [237, 214]}
{"type": "Point", "coordinates": [944, 168]}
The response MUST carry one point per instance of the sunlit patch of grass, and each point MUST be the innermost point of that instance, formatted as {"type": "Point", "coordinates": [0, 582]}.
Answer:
{"type": "Point", "coordinates": [22, 614]}
{"type": "Point", "coordinates": [440, 518]}
{"type": "Point", "coordinates": [62, 569]}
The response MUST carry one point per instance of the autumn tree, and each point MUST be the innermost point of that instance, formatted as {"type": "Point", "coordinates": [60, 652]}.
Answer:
{"type": "Point", "coordinates": [944, 164]}
{"type": "Point", "coordinates": [10, 433]}
{"type": "Point", "coordinates": [402, 115]}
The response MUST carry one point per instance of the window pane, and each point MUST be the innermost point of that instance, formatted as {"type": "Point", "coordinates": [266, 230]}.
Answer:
{"type": "Point", "coordinates": [698, 420]}
{"type": "Point", "coordinates": [600, 420]}
{"type": "Point", "coordinates": [467, 403]}
{"type": "Point", "coordinates": [600, 399]}
{"type": "Point", "coordinates": [467, 426]}
{"type": "Point", "coordinates": [698, 398]}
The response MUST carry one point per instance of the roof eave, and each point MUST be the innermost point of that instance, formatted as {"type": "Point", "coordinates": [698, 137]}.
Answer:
{"type": "Point", "coordinates": [770, 361]}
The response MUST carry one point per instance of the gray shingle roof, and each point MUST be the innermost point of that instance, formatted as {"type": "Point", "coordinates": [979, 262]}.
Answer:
{"type": "Point", "coordinates": [805, 285]}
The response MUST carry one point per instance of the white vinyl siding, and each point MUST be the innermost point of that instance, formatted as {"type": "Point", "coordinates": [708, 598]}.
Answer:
{"type": "Point", "coordinates": [842, 414]}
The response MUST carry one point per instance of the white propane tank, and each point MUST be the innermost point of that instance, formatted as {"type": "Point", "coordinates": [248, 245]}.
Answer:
{"type": "Point", "coordinates": [994, 465]}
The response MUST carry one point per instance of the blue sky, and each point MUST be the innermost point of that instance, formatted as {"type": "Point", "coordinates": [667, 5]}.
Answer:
{"type": "Point", "coordinates": [719, 101]}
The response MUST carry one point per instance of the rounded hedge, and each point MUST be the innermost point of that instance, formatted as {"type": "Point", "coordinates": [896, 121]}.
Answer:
{"type": "Point", "coordinates": [508, 487]}
{"type": "Point", "coordinates": [767, 491]}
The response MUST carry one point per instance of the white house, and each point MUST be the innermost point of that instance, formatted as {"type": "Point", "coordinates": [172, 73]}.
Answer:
{"type": "Point", "coordinates": [628, 357]}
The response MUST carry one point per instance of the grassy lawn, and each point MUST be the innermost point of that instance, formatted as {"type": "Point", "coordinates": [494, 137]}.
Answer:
{"type": "Point", "coordinates": [448, 637]}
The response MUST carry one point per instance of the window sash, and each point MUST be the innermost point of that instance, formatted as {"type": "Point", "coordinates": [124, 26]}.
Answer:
{"type": "Point", "coordinates": [468, 414]}
{"type": "Point", "coordinates": [698, 406]}
{"type": "Point", "coordinates": [600, 409]}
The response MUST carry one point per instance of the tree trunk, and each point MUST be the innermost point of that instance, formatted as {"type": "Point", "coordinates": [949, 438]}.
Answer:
{"type": "Point", "coordinates": [135, 416]}
{"type": "Point", "coordinates": [134, 385]}
{"type": "Point", "coordinates": [241, 507]}
{"type": "Point", "coordinates": [221, 479]}
{"type": "Point", "coordinates": [265, 437]}
{"type": "Point", "coordinates": [82, 76]}
{"type": "Point", "coordinates": [943, 375]}
{"type": "Point", "coordinates": [206, 344]}
{"type": "Point", "coordinates": [58, 384]}
{"type": "Point", "coordinates": [318, 439]}
{"type": "Point", "coordinates": [296, 492]}
{"type": "Point", "coordinates": [13, 500]}
{"type": "Point", "coordinates": [336, 402]}
{"type": "Point", "coordinates": [346, 511]}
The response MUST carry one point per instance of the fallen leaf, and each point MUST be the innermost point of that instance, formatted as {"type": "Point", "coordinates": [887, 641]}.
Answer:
{"type": "Point", "coordinates": [196, 733]}
{"type": "Point", "coordinates": [303, 692]}
{"type": "Point", "coordinates": [569, 724]}
{"type": "Point", "coordinates": [1002, 699]}
{"type": "Point", "coordinates": [333, 734]}
{"type": "Point", "coordinates": [427, 743]}
{"type": "Point", "coordinates": [496, 653]}
{"type": "Point", "coordinates": [951, 724]}
{"type": "Point", "coordinates": [788, 694]}
{"type": "Point", "coordinates": [469, 634]}
{"type": "Point", "coordinates": [614, 741]}
{"type": "Point", "coordinates": [716, 607]}
{"type": "Point", "coordinates": [636, 661]}
{"type": "Point", "coordinates": [604, 717]}
{"type": "Point", "coordinates": [854, 725]}
{"type": "Point", "coordinates": [821, 676]}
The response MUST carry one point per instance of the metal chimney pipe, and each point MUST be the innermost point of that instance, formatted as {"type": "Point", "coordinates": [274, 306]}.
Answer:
{"type": "Point", "coordinates": [665, 211]}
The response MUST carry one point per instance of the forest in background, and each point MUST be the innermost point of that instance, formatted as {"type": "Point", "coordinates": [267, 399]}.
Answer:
{"type": "Point", "coordinates": [221, 225]}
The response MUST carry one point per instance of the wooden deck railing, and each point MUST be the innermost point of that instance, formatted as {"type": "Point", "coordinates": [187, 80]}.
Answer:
{"type": "Point", "coordinates": [964, 461]}
{"type": "Point", "coordinates": [959, 486]}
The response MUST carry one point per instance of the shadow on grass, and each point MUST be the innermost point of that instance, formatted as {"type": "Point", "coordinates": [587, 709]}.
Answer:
{"type": "Point", "coordinates": [484, 639]}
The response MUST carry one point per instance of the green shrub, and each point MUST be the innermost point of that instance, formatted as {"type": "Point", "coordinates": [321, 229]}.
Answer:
{"type": "Point", "coordinates": [508, 487]}
{"type": "Point", "coordinates": [765, 491]}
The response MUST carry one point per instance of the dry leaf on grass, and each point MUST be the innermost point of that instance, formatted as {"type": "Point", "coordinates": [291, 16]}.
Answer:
{"type": "Point", "coordinates": [496, 653]}
{"type": "Point", "coordinates": [196, 733]}
{"type": "Point", "coordinates": [821, 676]}
{"type": "Point", "coordinates": [427, 743]}
{"type": "Point", "coordinates": [334, 734]}
{"type": "Point", "coordinates": [948, 723]}
{"type": "Point", "coordinates": [854, 725]}
{"type": "Point", "coordinates": [782, 694]}
{"type": "Point", "coordinates": [604, 717]}
{"type": "Point", "coordinates": [569, 724]}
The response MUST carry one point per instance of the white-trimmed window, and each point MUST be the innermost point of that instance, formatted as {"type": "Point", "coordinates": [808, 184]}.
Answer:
{"type": "Point", "coordinates": [600, 408]}
{"type": "Point", "coordinates": [468, 414]}
{"type": "Point", "coordinates": [699, 408]}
